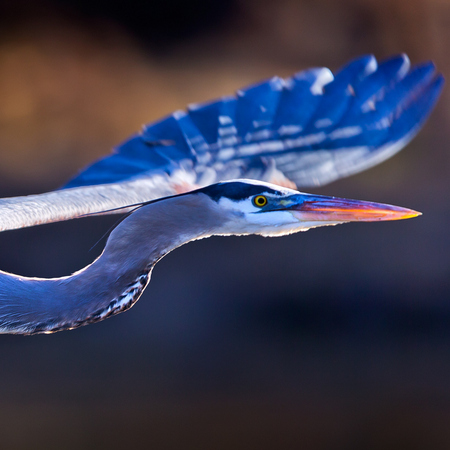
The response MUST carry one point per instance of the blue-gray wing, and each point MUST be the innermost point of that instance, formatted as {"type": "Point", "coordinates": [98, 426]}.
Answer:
{"type": "Point", "coordinates": [311, 128]}
{"type": "Point", "coordinates": [306, 130]}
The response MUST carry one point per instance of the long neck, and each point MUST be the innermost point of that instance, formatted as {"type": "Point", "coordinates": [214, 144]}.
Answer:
{"type": "Point", "coordinates": [113, 282]}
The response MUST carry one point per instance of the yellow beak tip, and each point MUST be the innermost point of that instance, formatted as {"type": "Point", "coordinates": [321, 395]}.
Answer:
{"type": "Point", "coordinates": [413, 214]}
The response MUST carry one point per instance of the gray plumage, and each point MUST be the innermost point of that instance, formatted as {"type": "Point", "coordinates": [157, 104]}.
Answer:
{"type": "Point", "coordinates": [115, 280]}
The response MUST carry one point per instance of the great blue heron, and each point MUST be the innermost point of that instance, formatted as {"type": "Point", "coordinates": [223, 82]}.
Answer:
{"type": "Point", "coordinates": [307, 130]}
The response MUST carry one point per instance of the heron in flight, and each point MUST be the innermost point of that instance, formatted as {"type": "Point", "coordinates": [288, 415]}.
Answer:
{"type": "Point", "coordinates": [228, 167]}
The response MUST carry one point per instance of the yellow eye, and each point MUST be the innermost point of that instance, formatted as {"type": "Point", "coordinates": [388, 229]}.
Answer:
{"type": "Point", "coordinates": [260, 201]}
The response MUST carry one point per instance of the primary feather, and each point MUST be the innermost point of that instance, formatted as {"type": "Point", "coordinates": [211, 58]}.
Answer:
{"type": "Point", "coordinates": [312, 127]}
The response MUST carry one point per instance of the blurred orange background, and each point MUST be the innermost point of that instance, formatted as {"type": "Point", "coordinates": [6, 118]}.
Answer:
{"type": "Point", "coordinates": [334, 339]}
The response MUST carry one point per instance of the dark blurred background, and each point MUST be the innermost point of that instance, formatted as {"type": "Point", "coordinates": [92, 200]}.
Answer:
{"type": "Point", "coordinates": [338, 339]}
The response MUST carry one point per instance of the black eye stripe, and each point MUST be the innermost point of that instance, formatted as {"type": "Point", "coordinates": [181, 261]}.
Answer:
{"type": "Point", "coordinates": [236, 190]}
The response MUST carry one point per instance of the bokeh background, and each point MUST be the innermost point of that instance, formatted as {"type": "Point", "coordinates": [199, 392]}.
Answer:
{"type": "Point", "coordinates": [338, 339]}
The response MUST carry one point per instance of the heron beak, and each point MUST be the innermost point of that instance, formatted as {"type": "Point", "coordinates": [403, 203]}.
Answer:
{"type": "Point", "coordinates": [317, 208]}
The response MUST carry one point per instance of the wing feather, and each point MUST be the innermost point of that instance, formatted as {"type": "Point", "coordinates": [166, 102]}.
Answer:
{"type": "Point", "coordinates": [358, 117]}
{"type": "Point", "coordinates": [306, 130]}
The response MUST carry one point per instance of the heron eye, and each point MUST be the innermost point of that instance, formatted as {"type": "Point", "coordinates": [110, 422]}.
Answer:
{"type": "Point", "coordinates": [260, 201]}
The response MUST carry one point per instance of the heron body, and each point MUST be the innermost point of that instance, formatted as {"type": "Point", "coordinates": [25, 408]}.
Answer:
{"type": "Point", "coordinates": [307, 130]}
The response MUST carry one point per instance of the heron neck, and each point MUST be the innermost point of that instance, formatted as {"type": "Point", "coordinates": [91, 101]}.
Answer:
{"type": "Point", "coordinates": [115, 280]}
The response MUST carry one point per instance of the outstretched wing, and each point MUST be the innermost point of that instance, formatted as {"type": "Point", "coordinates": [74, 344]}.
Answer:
{"type": "Point", "coordinates": [307, 130]}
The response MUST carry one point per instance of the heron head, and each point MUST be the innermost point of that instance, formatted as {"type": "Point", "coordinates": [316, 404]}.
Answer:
{"type": "Point", "coordinates": [254, 207]}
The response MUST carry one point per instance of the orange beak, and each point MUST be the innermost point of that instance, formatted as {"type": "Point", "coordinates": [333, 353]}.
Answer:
{"type": "Point", "coordinates": [317, 208]}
